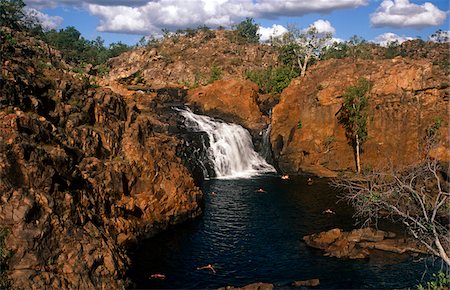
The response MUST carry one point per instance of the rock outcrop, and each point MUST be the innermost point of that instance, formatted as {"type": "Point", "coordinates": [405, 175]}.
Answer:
{"type": "Point", "coordinates": [191, 60]}
{"type": "Point", "coordinates": [83, 172]}
{"type": "Point", "coordinates": [407, 97]}
{"type": "Point", "coordinates": [358, 243]}
{"type": "Point", "coordinates": [233, 100]}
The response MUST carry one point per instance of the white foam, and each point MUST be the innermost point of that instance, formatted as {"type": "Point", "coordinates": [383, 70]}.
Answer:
{"type": "Point", "coordinates": [230, 150]}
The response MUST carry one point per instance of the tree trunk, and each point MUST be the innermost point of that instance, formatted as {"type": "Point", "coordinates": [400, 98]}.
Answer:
{"type": "Point", "coordinates": [358, 165]}
{"type": "Point", "coordinates": [305, 64]}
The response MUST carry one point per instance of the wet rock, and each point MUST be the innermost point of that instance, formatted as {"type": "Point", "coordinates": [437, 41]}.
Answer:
{"type": "Point", "coordinates": [306, 283]}
{"type": "Point", "coordinates": [358, 243]}
{"type": "Point", "coordinates": [253, 286]}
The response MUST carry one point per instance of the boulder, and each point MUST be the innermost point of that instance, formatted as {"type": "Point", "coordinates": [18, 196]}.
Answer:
{"type": "Point", "coordinates": [358, 243]}
{"type": "Point", "coordinates": [306, 283]}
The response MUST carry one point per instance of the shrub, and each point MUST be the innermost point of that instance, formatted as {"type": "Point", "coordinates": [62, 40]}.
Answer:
{"type": "Point", "coordinates": [272, 80]}
{"type": "Point", "coordinates": [216, 74]}
{"type": "Point", "coordinates": [247, 31]}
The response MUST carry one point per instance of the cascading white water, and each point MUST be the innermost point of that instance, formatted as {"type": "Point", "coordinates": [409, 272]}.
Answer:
{"type": "Point", "coordinates": [230, 149]}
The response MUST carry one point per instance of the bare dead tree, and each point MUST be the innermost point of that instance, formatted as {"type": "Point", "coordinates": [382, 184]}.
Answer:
{"type": "Point", "coordinates": [418, 197]}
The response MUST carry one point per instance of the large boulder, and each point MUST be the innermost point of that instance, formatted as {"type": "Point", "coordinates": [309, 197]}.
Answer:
{"type": "Point", "coordinates": [407, 97]}
{"type": "Point", "coordinates": [359, 243]}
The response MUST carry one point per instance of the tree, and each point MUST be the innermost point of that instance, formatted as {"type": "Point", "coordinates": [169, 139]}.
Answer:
{"type": "Point", "coordinates": [12, 13]}
{"type": "Point", "coordinates": [303, 45]}
{"type": "Point", "coordinates": [358, 47]}
{"type": "Point", "coordinates": [417, 197]}
{"type": "Point", "coordinates": [440, 36]}
{"type": "Point", "coordinates": [247, 30]}
{"type": "Point", "coordinates": [353, 116]}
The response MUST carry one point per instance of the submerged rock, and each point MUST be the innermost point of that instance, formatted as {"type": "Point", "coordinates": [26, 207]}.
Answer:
{"type": "Point", "coordinates": [307, 283]}
{"type": "Point", "coordinates": [253, 286]}
{"type": "Point", "coordinates": [358, 243]}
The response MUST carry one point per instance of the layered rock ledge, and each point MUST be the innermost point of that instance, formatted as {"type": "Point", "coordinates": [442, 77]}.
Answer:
{"type": "Point", "coordinates": [359, 243]}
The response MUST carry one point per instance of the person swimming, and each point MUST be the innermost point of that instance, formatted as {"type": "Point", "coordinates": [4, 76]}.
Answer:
{"type": "Point", "coordinates": [284, 177]}
{"type": "Point", "coordinates": [207, 267]}
{"type": "Point", "coordinates": [260, 190]}
{"type": "Point", "coordinates": [328, 211]}
{"type": "Point", "coordinates": [157, 276]}
{"type": "Point", "coordinates": [309, 181]}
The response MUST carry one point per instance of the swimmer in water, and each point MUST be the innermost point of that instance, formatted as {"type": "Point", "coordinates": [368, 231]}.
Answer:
{"type": "Point", "coordinates": [328, 211]}
{"type": "Point", "coordinates": [207, 267]}
{"type": "Point", "coordinates": [260, 190]}
{"type": "Point", "coordinates": [158, 276]}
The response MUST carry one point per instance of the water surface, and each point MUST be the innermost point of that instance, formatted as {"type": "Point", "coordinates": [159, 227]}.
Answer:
{"type": "Point", "coordinates": [249, 236]}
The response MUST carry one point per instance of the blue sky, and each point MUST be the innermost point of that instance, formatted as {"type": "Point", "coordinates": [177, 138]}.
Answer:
{"type": "Point", "coordinates": [128, 21]}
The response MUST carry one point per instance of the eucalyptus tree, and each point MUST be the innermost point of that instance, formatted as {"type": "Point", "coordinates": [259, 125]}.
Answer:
{"type": "Point", "coordinates": [353, 116]}
{"type": "Point", "coordinates": [303, 45]}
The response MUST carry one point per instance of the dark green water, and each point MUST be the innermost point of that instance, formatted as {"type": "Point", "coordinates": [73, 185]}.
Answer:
{"type": "Point", "coordinates": [250, 237]}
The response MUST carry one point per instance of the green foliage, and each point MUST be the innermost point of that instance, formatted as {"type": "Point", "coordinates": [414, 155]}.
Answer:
{"type": "Point", "coordinates": [337, 50]}
{"type": "Point", "coordinates": [441, 281]}
{"type": "Point", "coordinates": [433, 130]}
{"type": "Point", "coordinates": [393, 49]}
{"type": "Point", "coordinates": [440, 36]}
{"type": "Point", "coordinates": [247, 31]}
{"type": "Point", "coordinates": [272, 80]}
{"type": "Point", "coordinates": [299, 124]}
{"type": "Point", "coordinates": [12, 14]}
{"type": "Point", "coordinates": [299, 48]}
{"type": "Point", "coordinates": [353, 114]}
{"type": "Point", "coordinates": [76, 49]}
{"type": "Point", "coordinates": [216, 74]}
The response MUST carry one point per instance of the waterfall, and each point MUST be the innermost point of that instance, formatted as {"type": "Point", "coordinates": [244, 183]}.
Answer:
{"type": "Point", "coordinates": [266, 149]}
{"type": "Point", "coordinates": [230, 147]}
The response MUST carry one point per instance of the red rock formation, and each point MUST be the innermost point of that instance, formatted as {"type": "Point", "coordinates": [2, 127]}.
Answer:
{"type": "Point", "coordinates": [83, 173]}
{"type": "Point", "coordinates": [406, 97]}
{"type": "Point", "coordinates": [358, 243]}
{"type": "Point", "coordinates": [232, 100]}
{"type": "Point", "coordinates": [187, 61]}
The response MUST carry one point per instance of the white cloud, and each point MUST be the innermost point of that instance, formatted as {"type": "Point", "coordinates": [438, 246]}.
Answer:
{"type": "Point", "coordinates": [323, 26]}
{"type": "Point", "coordinates": [440, 36]}
{"type": "Point", "coordinates": [274, 8]}
{"type": "Point", "coordinates": [170, 14]}
{"type": "Point", "coordinates": [388, 37]}
{"type": "Point", "coordinates": [150, 16]}
{"type": "Point", "coordinates": [402, 13]}
{"type": "Point", "coordinates": [47, 22]}
{"type": "Point", "coordinates": [274, 31]}
{"type": "Point", "coordinates": [53, 3]}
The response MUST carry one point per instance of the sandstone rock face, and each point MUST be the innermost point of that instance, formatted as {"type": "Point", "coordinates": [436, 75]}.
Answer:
{"type": "Point", "coordinates": [233, 100]}
{"type": "Point", "coordinates": [358, 243]}
{"type": "Point", "coordinates": [407, 97]}
{"type": "Point", "coordinates": [83, 173]}
{"type": "Point", "coordinates": [184, 61]}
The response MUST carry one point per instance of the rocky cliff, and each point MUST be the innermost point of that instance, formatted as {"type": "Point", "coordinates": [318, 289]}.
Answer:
{"type": "Point", "coordinates": [84, 171]}
{"type": "Point", "coordinates": [191, 61]}
{"type": "Point", "coordinates": [408, 97]}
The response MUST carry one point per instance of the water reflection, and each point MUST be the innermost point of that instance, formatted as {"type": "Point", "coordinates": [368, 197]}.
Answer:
{"type": "Point", "coordinates": [250, 237]}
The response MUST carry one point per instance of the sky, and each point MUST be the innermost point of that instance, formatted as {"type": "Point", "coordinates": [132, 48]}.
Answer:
{"type": "Point", "coordinates": [378, 21]}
